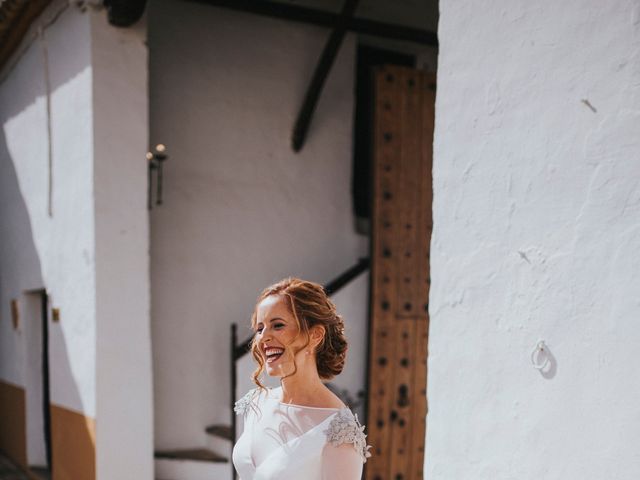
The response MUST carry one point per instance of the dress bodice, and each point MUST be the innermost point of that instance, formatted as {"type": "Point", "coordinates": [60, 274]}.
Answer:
{"type": "Point", "coordinates": [282, 441]}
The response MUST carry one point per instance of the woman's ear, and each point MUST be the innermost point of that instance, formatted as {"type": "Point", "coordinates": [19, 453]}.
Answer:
{"type": "Point", "coordinates": [316, 335]}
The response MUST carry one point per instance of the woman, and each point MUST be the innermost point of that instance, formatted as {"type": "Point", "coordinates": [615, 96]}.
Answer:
{"type": "Point", "coordinates": [300, 429]}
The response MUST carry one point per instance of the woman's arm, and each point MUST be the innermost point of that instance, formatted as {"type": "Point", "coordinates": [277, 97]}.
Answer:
{"type": "Point", "coordinates": [341, 463]}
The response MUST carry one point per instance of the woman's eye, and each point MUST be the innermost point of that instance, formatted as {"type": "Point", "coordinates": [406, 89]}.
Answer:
{"type": "Point", "coordinates": [278, 326]}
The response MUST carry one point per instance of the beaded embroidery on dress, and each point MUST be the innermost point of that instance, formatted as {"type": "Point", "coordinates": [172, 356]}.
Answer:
{"type": "Point", "coordinates": [345, 428]}
{"type": "Point", "coordinates": [242, 405]}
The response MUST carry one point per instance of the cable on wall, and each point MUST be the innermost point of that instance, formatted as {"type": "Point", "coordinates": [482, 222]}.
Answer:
{"type": "Point", "coordinates": [38, 33]}
{"type": "Point", "coordinates": [47, 86]}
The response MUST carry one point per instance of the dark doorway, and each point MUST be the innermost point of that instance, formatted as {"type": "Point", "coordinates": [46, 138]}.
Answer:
{"type": "Point", "coordinates": [38, 385]}
{"type": "Point", "coordinates": [46, 400]}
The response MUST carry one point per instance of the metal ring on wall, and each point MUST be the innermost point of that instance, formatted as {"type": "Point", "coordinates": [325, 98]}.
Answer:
{"type": "Point", "coordinates": [540, 352]}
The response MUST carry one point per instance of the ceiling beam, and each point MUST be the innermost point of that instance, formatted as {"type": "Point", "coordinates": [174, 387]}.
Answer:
{"type": "Point", "coordinates": [323, 18]}
{"type": "Point", "coordinates": [320, 74]}
{"type": "Point", "coordinates": [16, 16]}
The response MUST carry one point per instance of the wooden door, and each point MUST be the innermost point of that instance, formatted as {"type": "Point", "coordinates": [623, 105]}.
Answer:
{"type": "Point", "coordinates": [401, 234]}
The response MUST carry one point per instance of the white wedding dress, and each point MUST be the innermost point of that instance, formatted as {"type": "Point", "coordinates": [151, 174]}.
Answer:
{"type": "Point", "coordinates": [286, 442]}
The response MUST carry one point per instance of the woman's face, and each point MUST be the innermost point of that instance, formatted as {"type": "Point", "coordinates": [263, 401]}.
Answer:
{"type": "Point", "coordinates": [277, 337]}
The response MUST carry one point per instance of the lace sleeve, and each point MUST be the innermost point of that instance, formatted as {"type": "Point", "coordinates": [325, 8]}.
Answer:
{"type": "Point", "coordinates": [345, 428]}
{"type": "Point", "coordinates": [242, 406]}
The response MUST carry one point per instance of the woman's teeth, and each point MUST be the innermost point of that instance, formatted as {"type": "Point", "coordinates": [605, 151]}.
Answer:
{"type": "Point", "coordinates": [273, 354]}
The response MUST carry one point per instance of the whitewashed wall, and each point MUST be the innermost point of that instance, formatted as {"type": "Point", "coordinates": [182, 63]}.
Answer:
{"type": "Point", "coordinates": [124, 390]}
{"type": "Point", "coordinates": [37, 250]}
{"type": "Point", "coordinates": [241, 209]}
{"type": "Point", "coordinates": [92, 254]}
{"type": "Point", "coordinates": [536, 236]}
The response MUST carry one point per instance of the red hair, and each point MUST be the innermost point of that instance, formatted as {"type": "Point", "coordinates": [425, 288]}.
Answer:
{"type": "Point", "coordinates": [310, 306]}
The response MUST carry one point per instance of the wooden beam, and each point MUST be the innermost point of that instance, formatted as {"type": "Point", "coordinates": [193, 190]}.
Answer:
{"type": "Point", "coordinates": [320, 74]}
{"type": "Point", "coordinates": [16, 16]}
{"type": "Point", "coordinates": [341, 23]}
{"type": "Point", "coordinates": [323, 18]}
{"type": "Point", "coordinates": [337, 283]}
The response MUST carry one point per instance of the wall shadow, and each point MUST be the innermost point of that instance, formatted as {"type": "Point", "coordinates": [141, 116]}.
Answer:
{"type": "Point", "coordinates": [21, 266]}
{"type": "Point", "coordinates": [72, 433]}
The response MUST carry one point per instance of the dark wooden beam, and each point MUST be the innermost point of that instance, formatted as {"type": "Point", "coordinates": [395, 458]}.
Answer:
{"type": "Point", "coordinates": [337, 283]}
{"type": "Point", "coordinates": [16, 16]}
{"type": "Point", "coordinates": [323, 18]}
{"type": "Point", "coordinates": [341, 23]}
{"type": "Point", "coordinates": [320, 75]}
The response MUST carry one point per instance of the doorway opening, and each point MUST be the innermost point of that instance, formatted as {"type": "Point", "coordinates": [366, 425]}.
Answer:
{"type": "Point", "coordinates": [37, 384]}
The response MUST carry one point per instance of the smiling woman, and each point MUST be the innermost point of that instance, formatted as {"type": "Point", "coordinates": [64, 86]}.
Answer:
{"type": "Point", "coordinates": [300, 427]}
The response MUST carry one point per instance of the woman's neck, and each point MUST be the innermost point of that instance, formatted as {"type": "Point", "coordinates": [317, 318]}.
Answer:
{"type": "Point", "coordinates": [302, 388]}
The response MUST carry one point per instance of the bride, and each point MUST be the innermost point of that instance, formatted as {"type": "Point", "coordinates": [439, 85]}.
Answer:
{"type": "Point", "coordinates": [300, 429]}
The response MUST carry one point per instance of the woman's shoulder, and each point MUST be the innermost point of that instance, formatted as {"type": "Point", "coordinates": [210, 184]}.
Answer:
{"type": "Point", "coordinates": [344, 428]}
{"type": "Point", "coordinates": [250, 400]}
{"type": "Point", "coordinates": [331, 400]}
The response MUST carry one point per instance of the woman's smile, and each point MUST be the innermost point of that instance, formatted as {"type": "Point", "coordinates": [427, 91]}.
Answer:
{"type": "Point", "coordinates": [273, 354]}
{"type": "Point", "coordinates": [277, 335]}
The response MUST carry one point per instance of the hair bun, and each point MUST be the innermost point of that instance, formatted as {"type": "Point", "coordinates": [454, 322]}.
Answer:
{"type": "Point", "coordinates": [311, 306]}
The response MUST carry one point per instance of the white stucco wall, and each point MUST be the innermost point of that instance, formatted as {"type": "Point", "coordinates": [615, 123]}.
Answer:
{"type": "Point", "coordinates": [92, 254]}
{"type": "Point", "coordinates": [123, 349]}
{"type": "Point", "coordinates": [241, 209]}
{"type": "Point", "coordinates": [37, 250]}
{"type": "Point", "coordinates": [536, 236]}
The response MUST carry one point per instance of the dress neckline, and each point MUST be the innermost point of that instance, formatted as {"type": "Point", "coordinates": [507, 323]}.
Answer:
{"type": "Point", "coordinates": [294, 405]}
{"type": "Point", "coordinates": [312, 408]}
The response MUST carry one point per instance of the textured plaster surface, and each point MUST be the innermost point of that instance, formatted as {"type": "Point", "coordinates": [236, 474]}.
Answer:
{"type": "Point", "coordinates": [41, 251]}
{"type": "Point", "coordinates": [536, 236]}
{"type": "Point", "coordinates": [92, 253]}
{"type": "Point", "coordinates": [123, 350]}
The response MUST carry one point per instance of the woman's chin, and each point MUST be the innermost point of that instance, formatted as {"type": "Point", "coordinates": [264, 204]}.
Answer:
{"type": "Point", "coordinates": [275, 370]}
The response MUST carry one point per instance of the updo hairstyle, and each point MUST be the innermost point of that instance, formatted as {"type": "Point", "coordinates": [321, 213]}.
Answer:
{"type": "Point", "coordinates": [310, 306]}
